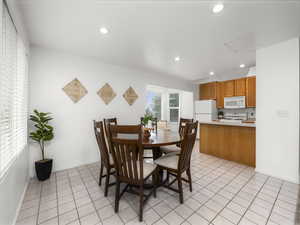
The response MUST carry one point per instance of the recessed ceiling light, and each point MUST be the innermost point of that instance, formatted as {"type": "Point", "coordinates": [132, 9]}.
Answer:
{"type": "Point", "coordinates": [177, 59]}
{"type": "Point", "coordinates": [217, 8]}
{"type": "Point", "coordinates": [242, 66]}
{"type": "Point", "coordinates": [211, 73]}
{"type": "Point", "coordinates": [103, 30]}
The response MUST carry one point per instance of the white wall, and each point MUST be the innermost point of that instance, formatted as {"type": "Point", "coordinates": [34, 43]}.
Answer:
{"type": "Point", "coordinates": [277, 110]}
{"type": "Point", "coordinates": [74, 142]}
{"type": "Point", "coordinates": [13, 184]}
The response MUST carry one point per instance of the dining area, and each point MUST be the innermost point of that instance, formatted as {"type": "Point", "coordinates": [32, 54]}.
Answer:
{"type": "Point", "coordinates": [140, 159]}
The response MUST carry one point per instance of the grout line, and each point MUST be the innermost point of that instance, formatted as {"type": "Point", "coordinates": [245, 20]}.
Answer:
{"type": "Point", "coordinates": [202, 204]}
{"type": "Point", "coordinates": [274, 203]}
{"type": "Point", "coordinates": [248, 208]}
{"type": "Point", "coordinates": [90, 194]}
{"type": "Point", "coordinates": [73, 198]}
{"type": "Point", "coordinates": [232, 193]}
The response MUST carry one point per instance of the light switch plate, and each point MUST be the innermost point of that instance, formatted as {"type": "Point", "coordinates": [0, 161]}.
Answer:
{"type": "Point", "coordinates": [282, 113]}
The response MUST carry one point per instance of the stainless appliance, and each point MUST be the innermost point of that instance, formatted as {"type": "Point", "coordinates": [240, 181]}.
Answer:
{"type": "Point", "coordinates": [237, 102]}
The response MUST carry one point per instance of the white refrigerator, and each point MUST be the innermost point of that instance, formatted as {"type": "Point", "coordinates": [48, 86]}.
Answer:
{"type": "Point", "coordinates": [205, 110]}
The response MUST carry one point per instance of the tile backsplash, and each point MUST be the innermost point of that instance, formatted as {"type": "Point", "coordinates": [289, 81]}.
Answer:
{"type": "Point", "coordinates": [247, 113]}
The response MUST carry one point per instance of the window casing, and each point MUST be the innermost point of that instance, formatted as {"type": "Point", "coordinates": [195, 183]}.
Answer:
{"type": "Point", "coordinates": [174, 107]}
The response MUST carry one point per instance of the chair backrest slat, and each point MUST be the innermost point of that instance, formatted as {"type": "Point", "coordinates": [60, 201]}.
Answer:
{"type": "Point", "coordinates": [127, 152]}
{"type": "Point", "coordinates": [182, 124]}
{"type": "Point", "coordinates": [99, 133]}
{"type": "Point", "coordinates": [187, 145]}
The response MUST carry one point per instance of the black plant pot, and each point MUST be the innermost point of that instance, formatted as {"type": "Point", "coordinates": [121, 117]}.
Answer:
{"type": "Point", "coordinates": [43, 169]}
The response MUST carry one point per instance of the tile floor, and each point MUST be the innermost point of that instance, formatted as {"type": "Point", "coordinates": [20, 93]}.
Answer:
{"type": "Point", "coordinates": [224, 193]}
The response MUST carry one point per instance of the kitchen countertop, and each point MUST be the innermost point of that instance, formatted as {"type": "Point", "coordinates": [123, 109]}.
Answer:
{"type": "Point", "coordinates": [236, 124]}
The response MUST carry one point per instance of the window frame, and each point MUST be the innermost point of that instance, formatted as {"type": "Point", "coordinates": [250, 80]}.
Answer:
{"type": "Point", "coordinates": [173, 107]}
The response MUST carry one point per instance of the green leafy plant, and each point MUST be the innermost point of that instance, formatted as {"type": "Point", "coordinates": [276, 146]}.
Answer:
{"type": "Point", "coordinates": [43, 132]}
{"type": "Point", "coordinates": [147, 117]}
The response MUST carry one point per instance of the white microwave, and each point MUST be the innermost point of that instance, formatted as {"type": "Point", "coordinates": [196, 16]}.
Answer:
{"type": "Point", "coordinates": [237, 102]}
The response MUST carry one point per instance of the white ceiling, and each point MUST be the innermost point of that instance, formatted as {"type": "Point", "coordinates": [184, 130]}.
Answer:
{"type": "Point", "coordinates": [149, 34]}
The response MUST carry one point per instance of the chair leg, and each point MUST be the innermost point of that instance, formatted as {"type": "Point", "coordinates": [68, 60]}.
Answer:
{"type": "Point", "coordinates": [180, 188]}
{"type": "Point", "coordinates": [154, 182]}
{"type": "Point", "coordinates": [117, 196]}
{"type": "Point", "coordinates": [141, 202]}
{"type": "Point", "coordinates": [101, 174]}
{"type": "Point", "coordinates": [188, 172]}
{"type": "Point", "coordinates": [107, 181]}
{"type": "Point", "coordinates": [168, 177]}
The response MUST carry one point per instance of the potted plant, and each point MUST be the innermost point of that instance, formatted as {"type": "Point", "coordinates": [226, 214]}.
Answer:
{"type": "Point", "coordinates": [145, 121]}
{"type": "Point", "coordinates": [43, 133]}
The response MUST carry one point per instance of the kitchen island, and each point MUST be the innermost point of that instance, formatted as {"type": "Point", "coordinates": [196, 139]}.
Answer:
{"type": "Point", "coordinates": [229, 140]}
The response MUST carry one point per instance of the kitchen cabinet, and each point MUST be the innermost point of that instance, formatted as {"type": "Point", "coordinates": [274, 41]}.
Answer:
{"type": "Point", "coordinates": [208, 91]}
{"type": "Point", "coordinates": [220, 95]}
{"type": "Point", "coordinates": [240, 87]}
{"type": "Point", "coordinates": [229, 88]}
{"type": "Point", "coordinates": [233, 143]}
{"type": "Point", "coordinates": [251, 92]}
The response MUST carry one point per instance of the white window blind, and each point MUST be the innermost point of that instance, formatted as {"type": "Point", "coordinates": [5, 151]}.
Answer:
{"type": "Point", "coordinates": [13, 94]}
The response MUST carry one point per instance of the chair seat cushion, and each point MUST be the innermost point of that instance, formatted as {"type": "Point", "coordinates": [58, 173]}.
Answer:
{"type": "Point", "coordinates": [148, 169]}
{"type": "Point", "coordinates": [168, 161]}
{"type": "Point", "coordinates": [170, 149]}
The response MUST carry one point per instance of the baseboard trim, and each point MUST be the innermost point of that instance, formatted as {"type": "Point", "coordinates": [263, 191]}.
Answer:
{"type": "Point", "coordinates": [20, 203]}
{"type": "Point", "coordinates": [288, 179]}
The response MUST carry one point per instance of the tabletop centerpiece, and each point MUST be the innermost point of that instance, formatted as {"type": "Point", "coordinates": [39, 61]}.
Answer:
{"type": "Point", "coordinates": [147, 125]}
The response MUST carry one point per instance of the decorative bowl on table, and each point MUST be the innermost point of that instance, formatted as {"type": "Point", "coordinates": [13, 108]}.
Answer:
{"type": "Point", "coordinates": [147, 133]}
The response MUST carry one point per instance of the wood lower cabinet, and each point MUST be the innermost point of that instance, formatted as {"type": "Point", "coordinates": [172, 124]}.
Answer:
{"type": "Point", "coordinates": [233, 143]}
{"type": "Point", "coordinates": [251, 92]}
{"type": "Point", "coordinates": [208, 91]}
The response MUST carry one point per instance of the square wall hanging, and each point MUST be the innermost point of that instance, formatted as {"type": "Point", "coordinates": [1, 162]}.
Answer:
{"type": "Point", "coordinates": [106, 93]}
{"type": "Point", "coordinates": [130, 95]}
{"type": "Point", "coordinates": [75, 90]}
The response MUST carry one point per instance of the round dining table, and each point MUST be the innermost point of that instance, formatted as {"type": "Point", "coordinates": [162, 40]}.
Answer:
{"type": "Point", "coordinates": [159, 139]}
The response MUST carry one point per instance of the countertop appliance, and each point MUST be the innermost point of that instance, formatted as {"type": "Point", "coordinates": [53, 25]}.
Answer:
{"type": "Point", "coordinates": [237, 102]}
{"type": "Point", "coordinates": [205, 110]}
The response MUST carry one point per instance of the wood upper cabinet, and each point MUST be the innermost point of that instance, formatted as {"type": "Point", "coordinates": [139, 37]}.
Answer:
{"type": "Point", "coordinates": [240, 87]}
{"type": "Point", "coordinates": [208, 91]}
{"type": "Point", "coordinates": [251, 91]}
{"type": "Point", "coordinates": [229, 88]}
{"type": "Point", "coordinates": [220, 95]}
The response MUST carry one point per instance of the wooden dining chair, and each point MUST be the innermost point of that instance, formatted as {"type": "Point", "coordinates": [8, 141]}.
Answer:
{"type": "Point", "coordinates": [176, 165]}
{"type": "Point", "coordinates": [127, 151]}
{"type": "Point", "coordinates": [107, 122]}
{"type": "Point", "coordinates": [106, 157]}
{"type": "Point", "coordinates": [175, 149]}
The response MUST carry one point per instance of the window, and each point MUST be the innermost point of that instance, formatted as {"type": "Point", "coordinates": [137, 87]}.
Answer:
{"type": "Point", "coordinates": [154, 104]}
{"type": "Point", "coordinates": [13, 93]}
{"type": "Point", "coordinates": [174, 107]}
